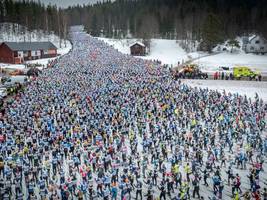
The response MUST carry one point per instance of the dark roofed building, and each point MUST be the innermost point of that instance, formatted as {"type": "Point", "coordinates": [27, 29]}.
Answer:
{"type": "Point", "coordinates": [18, 52]}
{"type": "Point", "coordinates": [138, 49]}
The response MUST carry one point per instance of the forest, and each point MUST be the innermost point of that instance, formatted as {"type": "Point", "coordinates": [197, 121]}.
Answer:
{"type": "Point", "coordinates": [207, 21]}
{"type": "Point", "coordinates": [33, 15]}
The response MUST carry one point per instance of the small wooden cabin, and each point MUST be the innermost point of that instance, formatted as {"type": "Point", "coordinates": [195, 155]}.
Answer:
{"type": "Point", "coordinates": [138, 49]}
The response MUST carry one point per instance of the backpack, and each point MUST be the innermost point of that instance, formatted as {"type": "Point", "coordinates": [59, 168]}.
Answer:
{"type": "Point", "coordinates": [1, 164]}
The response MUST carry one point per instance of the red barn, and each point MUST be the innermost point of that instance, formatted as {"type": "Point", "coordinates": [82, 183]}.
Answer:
{"type": "Point", "coordinates": [18, 52]}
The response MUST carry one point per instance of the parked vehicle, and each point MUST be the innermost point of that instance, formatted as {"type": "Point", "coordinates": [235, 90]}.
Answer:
{"type": "Point", "coordinates": [223, 68]}
{"type": "Point", "coordinates": [245, 72]}
{"type": "Point", "coordinates": [17, 72]}
{"type": "Point", "coordinates": [190, 71]}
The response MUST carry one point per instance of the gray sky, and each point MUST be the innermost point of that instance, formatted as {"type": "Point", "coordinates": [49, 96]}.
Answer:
{"type": "Point", "coordinates": [66, 3]}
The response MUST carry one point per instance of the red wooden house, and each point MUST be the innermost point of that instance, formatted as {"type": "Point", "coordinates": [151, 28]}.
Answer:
{"type": "Point", "coordinates": [18, 52]}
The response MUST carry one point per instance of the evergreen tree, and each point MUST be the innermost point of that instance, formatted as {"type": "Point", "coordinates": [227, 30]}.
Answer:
{"type": "Point", "coordinates": [233, 43]}
{"type": "Point", "coordinates": [2, 11]}
{"type": "Point", "coordinates": [172, 19]}
{"type": "Point", "coordinates": [211, 32]}
{"type": "Point", "coordinates": [94, 27]}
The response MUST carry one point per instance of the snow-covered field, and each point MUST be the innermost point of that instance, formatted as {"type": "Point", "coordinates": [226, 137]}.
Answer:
{"type": "Point", "coordinates": [167, 51]}
{"type": "Point", "coordinates": [211, 63]}
{"type": "Point", "coordinates": [170, 52]}
{"type": "Point", "coordinates": [248, 88]}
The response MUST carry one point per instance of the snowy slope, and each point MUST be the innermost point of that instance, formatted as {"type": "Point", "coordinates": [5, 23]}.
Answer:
{"type": "Point", "coordinates": [121, 45]}
{"type": "Point", "coordinates": [167, 51]}
{"type": "Point", "coordinates": [170, 52]}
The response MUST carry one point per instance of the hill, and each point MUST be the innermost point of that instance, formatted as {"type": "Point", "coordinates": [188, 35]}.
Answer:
{"type": "Point", "coordinates": [170, 52]}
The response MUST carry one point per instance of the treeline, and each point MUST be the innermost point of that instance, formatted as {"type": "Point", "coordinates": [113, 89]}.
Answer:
{"type": "Point", "coordinates": [171, 18]}
{"type": "Point", "coordinates": [208, 21]}
{"type": "Point", "coordinates": [34, 16]}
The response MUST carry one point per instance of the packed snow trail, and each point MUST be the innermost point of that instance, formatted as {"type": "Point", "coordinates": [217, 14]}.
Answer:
{"type": "Point", "coordinates": [104, 125]}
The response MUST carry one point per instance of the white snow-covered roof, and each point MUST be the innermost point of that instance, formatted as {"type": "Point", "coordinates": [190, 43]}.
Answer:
{"type": "Point", "coordinates": [251, 37]}
{"type": "Point", "coordinates": [139, 43]}
{"type": "Point", "coordinates": [256, 36]}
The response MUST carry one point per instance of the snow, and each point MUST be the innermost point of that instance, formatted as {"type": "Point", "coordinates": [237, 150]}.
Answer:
{"type": "Point", "coordinates": [122, 45]}
{"type": "Point", "coordinates": [252, 37]}
{"type": "Point", "coordinates": [170, 52]}
{"type": "Point", "coordinates": [10, 66]}
{"type": "Point", "coordinates": [242, 87]}
{"type": "Point", "coordinates": [227, 48]}
{"type": "Point", "coordinates": [18, 79]}
{"type": "Point", "coordinates": [65, 49]}
{"type": "Point", "coordinates": [237, 58]}
{"type": "Point", "coordinates": [13, 33]}
{"type": "Point", "coordinates": [140, 43]}
{"type": "Point", "coordinates": [167, 51]}
{"type": "Point", "coordinates": [248, 88]}
{"type": "Point", "coordinates": [41, 62]}
{"type": "Point", "coordinates": [212, 63]}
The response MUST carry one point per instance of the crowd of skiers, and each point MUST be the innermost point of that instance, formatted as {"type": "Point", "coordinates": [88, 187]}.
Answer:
{"type": "Point", "coordinates": [104, 125]}
{"type": "Point", "coordinates": [223, 76]}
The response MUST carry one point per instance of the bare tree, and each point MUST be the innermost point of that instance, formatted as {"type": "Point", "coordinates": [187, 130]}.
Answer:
{"type": "Point", "coordinates": [59, 28]}
{"type": "Point", "coordinates": [65, 27]}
